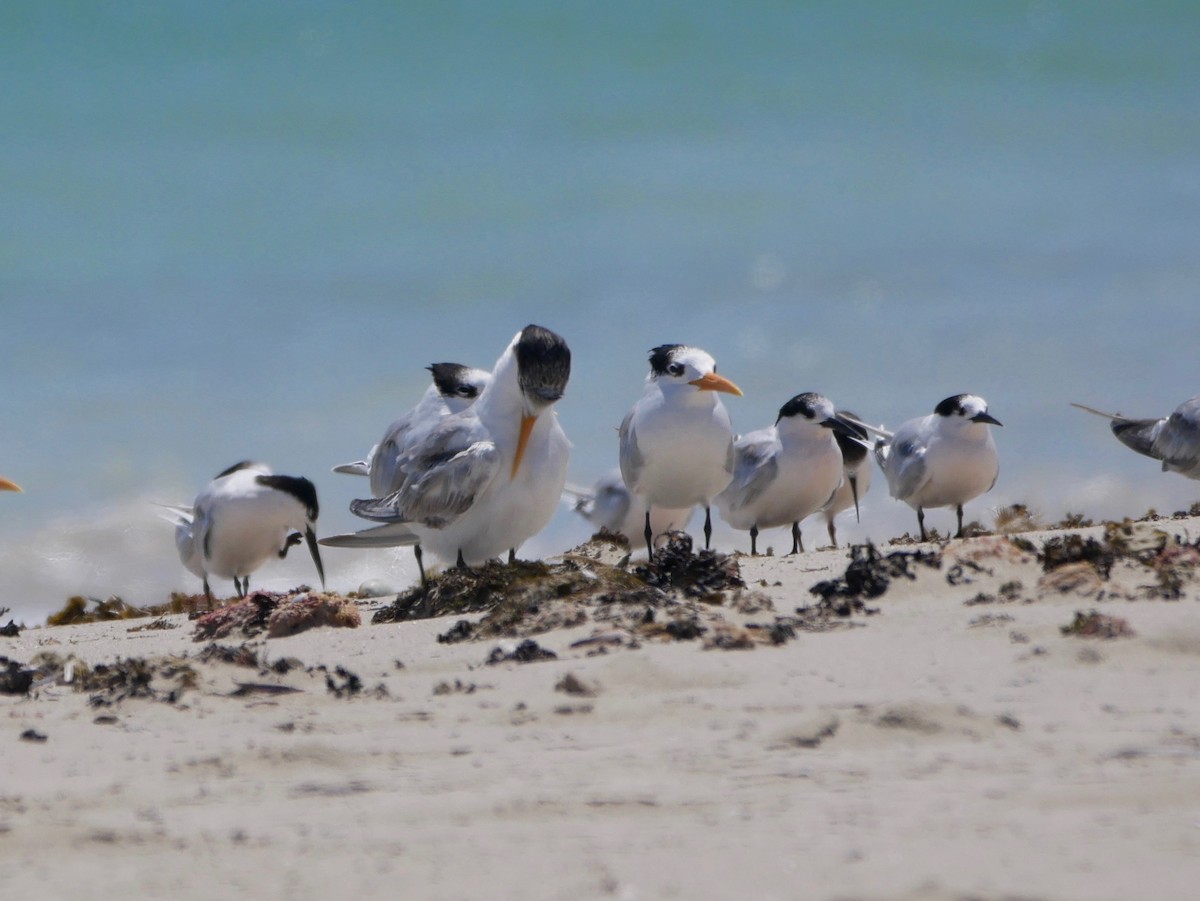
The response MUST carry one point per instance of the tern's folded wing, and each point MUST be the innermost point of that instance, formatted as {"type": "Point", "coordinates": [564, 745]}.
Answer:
{"type": "Point", "coordinates": [631, 457]}
{"type": "Point", "coordinates": [1178, 443]}
{"type": "Point", "coordinates": [755, 469]}
{"type": "Point", "coordinates": [905, 469]}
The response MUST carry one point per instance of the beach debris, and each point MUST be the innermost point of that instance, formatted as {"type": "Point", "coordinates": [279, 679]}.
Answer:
{"type": "Point", "coordinates": [349, 685]}
{"type": "Point", "coordinates": [1097, 625]}
{"type": "Point", "coordinates": [1016, 518]}
{"type": "Point", "coordinates": [459, 687]}
{"type": "Point", "coordinates": [15, 678]}
{"type": "Point", "coordinates": [33, 735]}
{"type": "Point", "coordinates": [705, 575]}
{"type": "Point", "coordinates": [277, 614]}
{"type": "Point", "coordinates": [573, 685]}
{"type": "Point", "coordinates": [242, 655]}
{"type": "Point", "coordinates": [76, 611]}
{"type": "Point", "coordinates": [727, 637]}
{"type": "Point", "coordinates": [808, 732]}
{"type": "Point", "coordinates": [460, 631]}
{"type": "Point", "coordinates": [869, 574]}
{"type": "Point", "coordinates": [1064, 550]}
{"type": "Point", "coordinates": [1081, 577]}
{"type": "Point", "coordinates": [527, 651]}
{"type": "Point", "coordinates": [246, 689]}
{"type": "Point", "coordinates": [12, 630]}
{"type": "Point", "coordinates": [160, 623]}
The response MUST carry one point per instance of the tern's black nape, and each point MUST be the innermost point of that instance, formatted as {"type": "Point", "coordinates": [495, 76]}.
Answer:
{"type": "Point", "coordinates": [802, 405]}
{"type": "Point", "coordinates": [543, 364]}
{"type": "Point", "coordinates": [952, 406]}
{"type": "Point", "coordinates": [452, 380]}
{"type": "Point", "coordinates": [662, 356]}
{"type": "Point", "coordinates": [298, 487]}
{"type": "Point", "coordinates": [236, 467]}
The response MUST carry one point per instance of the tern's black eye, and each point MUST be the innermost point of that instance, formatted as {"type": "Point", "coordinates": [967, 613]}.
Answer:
{"type": "Point", "coordinates": [675, 369]}
{"type": "Point", "coordinates": [466, 391]}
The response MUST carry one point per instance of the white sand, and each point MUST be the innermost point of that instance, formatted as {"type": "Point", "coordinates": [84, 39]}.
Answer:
{"type": "Point", "coordinates": [935, 750]}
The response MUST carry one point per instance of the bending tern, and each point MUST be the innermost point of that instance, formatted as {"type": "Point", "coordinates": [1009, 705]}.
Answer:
{"type": "Point", "coordinates": [787, 471]}
{"type": "Point", "coordinates": [1174, 439]}
{"type": "Point", "coordinates": [941, 460]}
{"type": "Point", "coordinates": [485, 479]}
{"type": "Point", "coordinates": [609, 505]}
{"type": "Point", "coordinates": [856, 478]}
{"type": "Point", "coordinates": [243, 517]}
{"type": "Point", "coordinates": [455, 387]}
{"type": "Point", "coordinates": [677, 440]}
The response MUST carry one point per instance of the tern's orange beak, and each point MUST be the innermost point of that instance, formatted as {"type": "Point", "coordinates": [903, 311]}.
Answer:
{"type": "Point", "coordinates": [527, 422]}
{"type": "Point", "coordinates": [6, 485]}
{"type": "Point", "coordinates": [714, 382]}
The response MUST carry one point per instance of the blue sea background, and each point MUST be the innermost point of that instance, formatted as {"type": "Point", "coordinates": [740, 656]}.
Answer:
{"type": "Point", "coordinates": [241, 230]}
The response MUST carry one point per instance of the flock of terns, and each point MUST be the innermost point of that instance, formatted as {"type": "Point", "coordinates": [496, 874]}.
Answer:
{"type": "Point", "coordinates": [479, 466]}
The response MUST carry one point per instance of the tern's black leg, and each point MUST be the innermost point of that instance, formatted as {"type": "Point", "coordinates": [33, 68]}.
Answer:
{"type": "Point", "coordinates": [797, 543]}
{"type": "Point", "coordinates": [512, 556]}
{"type": "Point", "coordinates": [649, 538]}
{"type": "Point", "coordinates": [754, 541]}
{"type": "Point", "coordinates": [420, 564]}
{"type": "Point", "coordinates": [707, 527]}
{"type": "Point", "coordinates": [460, 563]}
{"type": "Point", "coordinates": [958, 510]}
{"type": "Point", "coordinates": [921, 522]}
{"type": "Point", "coordinates": [208, 592]}
{"type": "Point", "coordinates": [832, 533]}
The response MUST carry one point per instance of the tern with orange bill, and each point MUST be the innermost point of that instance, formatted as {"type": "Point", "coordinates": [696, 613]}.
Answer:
{"type": "Point", "coordinates": [7, 485]}
{"type": "Point", "coordinates": [486, 479]}
{"type": "Point", "coordinates": [677, 440]}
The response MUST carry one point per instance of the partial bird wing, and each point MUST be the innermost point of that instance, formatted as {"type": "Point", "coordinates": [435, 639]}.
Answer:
{"type": "Point", "coordinates": [443, 477]}
{"type": "Point", "coordinates": [582, 500]}
{"type": "Point", "coordinates": [756, 466]}
{"type": "Point", "coordinates": [387, 460]}
{"type": "Point", "coordinates": [393, 534]}
{"type": "Point", "coordinates": [631, 458]}
{"type": "Point", "coordinates": [1177, 443]}
{"type": "Point", "coordinates": [905, 467]}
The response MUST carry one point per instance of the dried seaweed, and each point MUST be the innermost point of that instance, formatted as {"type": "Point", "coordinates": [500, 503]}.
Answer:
{"type": "Point", "coordinates": [705, 575]}
{"type": "Point", "coordinates": [1097, 625]}
{"type": "Point", "coordinates": [15, 678]}
{"type": "Point", "coordinates": [869, 574]}
{"type": "Point", "coordinates": [528, 651]}
{"type": "Point", "coordinates": [279, 615]}
{"type": "Point", "coordinates": [76, 611]}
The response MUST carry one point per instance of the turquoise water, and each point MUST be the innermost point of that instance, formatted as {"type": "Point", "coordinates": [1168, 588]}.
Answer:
{"type": "Point", "coordinates": [241, 230]}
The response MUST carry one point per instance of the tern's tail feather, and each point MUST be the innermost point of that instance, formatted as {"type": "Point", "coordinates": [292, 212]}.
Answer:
{"type": "Point", "coordinates": [873, 429]}
{"type": "Point", "coordinates": [581, 499]}
{"type": "Point", "coordinates": [391, 535]}
{"type": "Point", "coordinates": [358, 468]}
{"type": "Point", "coordinates": [1117, 417]}
{"type": "Point", "coordinates": [178, 514]}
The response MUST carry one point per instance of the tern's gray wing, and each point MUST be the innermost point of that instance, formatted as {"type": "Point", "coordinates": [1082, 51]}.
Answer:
{"type": "Point", "coordinates": [386, 474]}
{"type": "Point", "coordinates": [905, 467]}
{"type": "Point", "coordinates": [631, 457]}
{"type": "Point", "coordinates": [755, 468]}
{"type": "Point", "coordinates": [1177, 443]}
{"type": "Point", "coordinates": [443, 476]}
{"type": "Point", "coordinates": [1138, 434]}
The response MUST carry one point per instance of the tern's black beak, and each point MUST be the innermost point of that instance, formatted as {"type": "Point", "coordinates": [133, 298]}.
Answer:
{"type": "Point", "coordinates": [845, 428]}
{"type": "Point", "coordinates": [311, 538]}
{"type": "Point", "coordinates": [987, 417]}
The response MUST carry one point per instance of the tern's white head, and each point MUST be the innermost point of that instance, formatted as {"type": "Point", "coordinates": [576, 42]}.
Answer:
{"type": "Point", "coordinates": [676, 366]}
{"type": "Point", "coordinates": [964, 410]}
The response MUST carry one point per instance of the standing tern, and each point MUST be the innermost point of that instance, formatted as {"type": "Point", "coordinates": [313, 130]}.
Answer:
{"type": "Point", "coordinates": [609, 505]}
{"type": "Point", "coordinates": [243, 517]}
{"type": "Point", "coordinates": [787, 471]}
{"type": "Point", "coordinates": [677, 440]}
{"type": "Point", "coordinates": [1174, 439]}
{"type": "Point", "coordinates": [455, 387]}
{"type": "Point", "coordinates": [856, 478]}
{"type": "Point", "coordinates": [484, 480]}
{"type": "Point", "coordinates": [941, 460]}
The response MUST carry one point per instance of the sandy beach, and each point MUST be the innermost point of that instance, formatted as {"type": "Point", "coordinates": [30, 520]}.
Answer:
{"type": "Point", "coordinates": [947, 739]}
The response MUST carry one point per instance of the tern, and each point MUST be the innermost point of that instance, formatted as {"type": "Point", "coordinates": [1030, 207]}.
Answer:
{"type": "Point", "coordinates": [1174, 439]}
{"type": "Point", "coordinates": [609, 505]}
{"type": "Point", "coordinates": [941, 460]}
{"type": "Point", "coordinates": [455, 387]}
{"type": "Point", "coordinates": [484, 480]}
{"type": "Point", "coordinates": [677, 440]}
{"type": "Point", "coordinates": [242, 518]}
{"type": "Point", "coordinates": [787, 471]}
{"type": "Point", "coordinates": [856, 478]}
